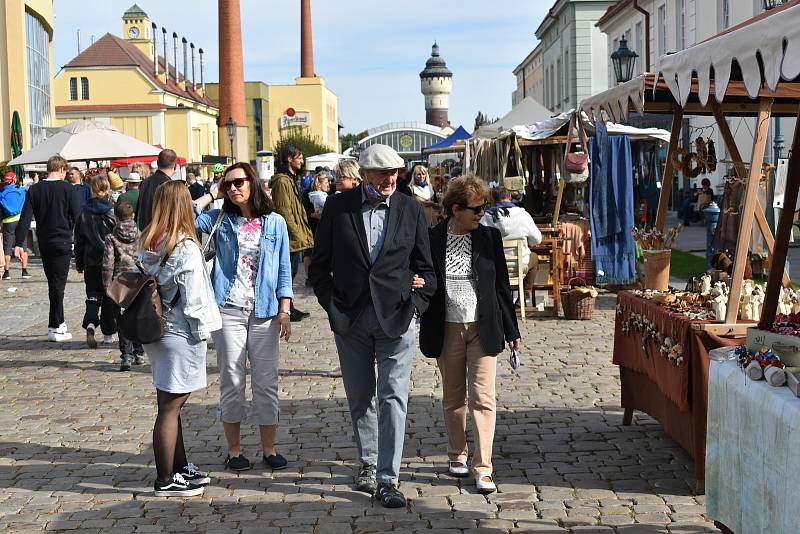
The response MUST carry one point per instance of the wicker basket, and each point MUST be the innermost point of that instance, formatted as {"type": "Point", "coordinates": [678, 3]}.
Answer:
{"type": "Point", "coordinates": [577, 304]}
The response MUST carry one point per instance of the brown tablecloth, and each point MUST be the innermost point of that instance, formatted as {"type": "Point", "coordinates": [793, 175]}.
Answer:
{"type": "Point", "coordinates": [676, 396]}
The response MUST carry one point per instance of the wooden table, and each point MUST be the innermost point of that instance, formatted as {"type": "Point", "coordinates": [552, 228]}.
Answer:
{"type": "Point", "coordinates": [552, 247]}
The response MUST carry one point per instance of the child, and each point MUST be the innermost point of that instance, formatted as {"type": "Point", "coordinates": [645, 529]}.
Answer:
{"type": "Point", "coordinates": [119, 255]}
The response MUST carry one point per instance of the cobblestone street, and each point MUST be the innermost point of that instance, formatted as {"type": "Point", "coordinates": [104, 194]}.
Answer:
{"type": "Point", "coordinates": [75, 453]}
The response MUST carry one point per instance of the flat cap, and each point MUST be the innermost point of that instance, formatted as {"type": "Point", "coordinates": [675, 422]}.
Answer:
{"type": "Point", "coordinates": [380, 158]}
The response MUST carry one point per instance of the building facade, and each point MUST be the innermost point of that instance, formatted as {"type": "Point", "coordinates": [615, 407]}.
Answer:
{"type": "Point", "coordinates": [436, 84]}
{"type": "Point", "coordinates": [127, 83]}
{"type": "Point", "coordinates": [574, 59]}
{"type": "Point", "coordinates": [530, 78]}
{"type": "Point", "coordinates": [26, 71]}
{"type": "Point", "coordinates": [407, 138]}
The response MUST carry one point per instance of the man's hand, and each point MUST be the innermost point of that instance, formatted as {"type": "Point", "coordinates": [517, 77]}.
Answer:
{"type": "Point", "coordinates": [18, 252]}
{"type": "Point", "coordinates": [417, 283]}
{"type": "Point", "coordinates": [514, 345]}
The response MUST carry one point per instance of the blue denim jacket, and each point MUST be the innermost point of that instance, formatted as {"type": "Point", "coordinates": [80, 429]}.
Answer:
{"type": "Point", "coordinates": [274, 270]}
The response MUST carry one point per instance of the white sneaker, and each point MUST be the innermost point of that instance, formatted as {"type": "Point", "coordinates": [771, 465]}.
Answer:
{"type": "Point", "coordinates": [54, 335]}
{"type": "Point", "coordinates": [91, 342]}
{"type": "Point", "coordinates": [483, 486]}
{"type": "Point", "coordinates": [109, 340]}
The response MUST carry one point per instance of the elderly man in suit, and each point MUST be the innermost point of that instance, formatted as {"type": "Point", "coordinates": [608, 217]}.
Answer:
{"type": "Point", "coordinates": [373, 282]}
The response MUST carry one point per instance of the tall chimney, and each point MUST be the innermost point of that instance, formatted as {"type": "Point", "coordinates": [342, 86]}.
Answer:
{"type": "Point", "coordinates": [166, 58]}
{"type": "Point", "coordinates": [231, 64]}
{"type": "Point", "coordinates": [191, 45]}
{"type": "Point", "coordinates": [185, 62]}
{"type": "Point", "coordinates": [155, 48]}
{"type": "Point", "coordinates": [202, 66]}
{"type": "Point", "coordinates": [175, 54]}
{"type": "Point", "coordinates": [306, 41]}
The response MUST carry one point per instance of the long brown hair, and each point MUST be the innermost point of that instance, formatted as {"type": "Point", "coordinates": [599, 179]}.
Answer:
{"type": "Point", "coordinates": [259, 202]}
{"type": "Point", "coordinates": [173, 218]}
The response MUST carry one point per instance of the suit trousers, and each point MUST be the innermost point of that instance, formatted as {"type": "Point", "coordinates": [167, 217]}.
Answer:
{"type": "Point", "coordinates": [468, 380]}
{"type": "Point", "coordinates": [379, 421]}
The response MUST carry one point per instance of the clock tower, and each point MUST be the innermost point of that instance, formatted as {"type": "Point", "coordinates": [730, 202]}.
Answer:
{"type": "Point", "coordinates": [136, 29]}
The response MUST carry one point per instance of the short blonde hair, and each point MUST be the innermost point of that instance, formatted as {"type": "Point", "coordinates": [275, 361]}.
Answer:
{"type": "Point", "coordinates": [316, 185]}
{"type": "Point", "coordinates": [347, 168]}
{"type": "Point", "coordinates": [143, 170]}
{"type": "Point", "coordinates": [461, 189]}
{"type": "Point", "coordinates": [56, 163]}
{"type": "Point", "coordinates": [101, 188]}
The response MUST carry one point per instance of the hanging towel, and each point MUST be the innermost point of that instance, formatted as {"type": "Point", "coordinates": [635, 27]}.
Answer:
{"type": "Point", "coordinates": [611, 208]}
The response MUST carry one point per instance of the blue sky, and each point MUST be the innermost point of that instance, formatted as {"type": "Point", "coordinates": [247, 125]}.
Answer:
{"type": "Point", "coordinates": [370, 53]}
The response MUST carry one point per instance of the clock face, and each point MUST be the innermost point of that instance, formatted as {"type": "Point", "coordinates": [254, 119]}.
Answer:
{"type": "Point", "coordinates": [133, 33]}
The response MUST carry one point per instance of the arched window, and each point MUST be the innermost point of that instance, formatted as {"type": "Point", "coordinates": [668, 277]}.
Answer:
{"type": "Point", "coordinates": [84, 88]}
{"type": "Point", "coordinates": [73, 88]}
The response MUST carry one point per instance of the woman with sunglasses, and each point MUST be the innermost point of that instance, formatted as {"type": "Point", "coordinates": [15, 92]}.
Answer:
{"type": "Point", "coordinates": [468, 322]}
{"type": "Point", "coordinates": [252, 279]}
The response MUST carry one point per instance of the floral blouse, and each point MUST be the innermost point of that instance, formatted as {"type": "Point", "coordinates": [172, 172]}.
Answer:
{"type": "Point", "coordinates": [243, 290]}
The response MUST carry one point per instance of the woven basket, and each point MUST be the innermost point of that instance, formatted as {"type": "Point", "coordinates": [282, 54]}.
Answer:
{"type": "Point", "coordinates": [656, 269]}
{"type": "Point", "coordinates": [578, 305]}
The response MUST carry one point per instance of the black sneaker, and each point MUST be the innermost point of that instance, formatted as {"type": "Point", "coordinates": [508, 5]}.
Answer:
{"type": "Point", "coordinates": [390, 496]}
{"type": "Point", "coordinates": [366, 481]}
{"type": "Point", "coordinates": [6, 275]}
{"type": "Point", "coordinates": [138, 359]}
{"type": "Point", "coordinates": [125, 365]}
{"type": "Point", "coordinates": [275, 461]}
{"type": "Point", "coordinates": [177, 487]}
{"type": "Point", "coordinates": [237, 463]}
{"type": "Point", "coordinates": [25, 273]}
{"type": "Point", "coordinates": [296, 315]}
{"type": "Point", "coordinates": [193, 475]}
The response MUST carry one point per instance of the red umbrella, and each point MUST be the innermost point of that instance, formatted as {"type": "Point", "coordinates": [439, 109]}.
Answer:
{"type": "Point", "coordinates": [147, 160]}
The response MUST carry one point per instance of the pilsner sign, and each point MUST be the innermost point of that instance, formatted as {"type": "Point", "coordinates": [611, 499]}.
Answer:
{"type": "Point", "coordinates": [295, 118]}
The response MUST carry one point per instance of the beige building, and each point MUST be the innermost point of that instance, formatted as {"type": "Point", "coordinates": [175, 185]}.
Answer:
{"type": "Point", "coordinates": [26, 70]}
{"type": "Point", "coordinates": [125, 82]}
{"type": "Point", "coordinates": [530, 78]}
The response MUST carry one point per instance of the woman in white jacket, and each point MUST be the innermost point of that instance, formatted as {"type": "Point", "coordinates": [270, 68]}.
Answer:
{"type": "Point", "coordinates": [513, 222]}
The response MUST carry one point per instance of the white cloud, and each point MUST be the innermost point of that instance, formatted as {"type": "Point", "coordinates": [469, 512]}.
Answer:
{"type": "Point", "coordinates": [369, 52]}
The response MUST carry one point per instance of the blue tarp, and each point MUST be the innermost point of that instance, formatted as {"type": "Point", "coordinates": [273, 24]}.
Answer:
{"type": "Point", "coordinates": [458, 135]}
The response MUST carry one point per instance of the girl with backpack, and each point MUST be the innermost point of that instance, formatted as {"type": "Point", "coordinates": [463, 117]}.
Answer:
{"type": "Point", "coordinates": [178, 360]}
{"type": "Point", "coordinates": [94, 224]}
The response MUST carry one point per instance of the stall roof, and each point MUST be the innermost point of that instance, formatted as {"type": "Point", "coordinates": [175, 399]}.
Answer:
{"type": "Point", "coordinates": [526, 112]}
{"type": "Point", "coordinates": [459, 135]}
{"type": "Point", "coordinates": [556, 128]}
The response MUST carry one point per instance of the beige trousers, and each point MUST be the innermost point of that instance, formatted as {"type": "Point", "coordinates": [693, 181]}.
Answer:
{"type": "Point", "coordinates": [468, 380]}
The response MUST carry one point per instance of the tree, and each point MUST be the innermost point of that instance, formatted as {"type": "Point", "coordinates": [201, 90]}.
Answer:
{"type": "Point", "coordinates": [349, 140]}
{"type": "Point", "coordinates": [480, 120]}
{"type": "Point", "coordinates": [309, 145]}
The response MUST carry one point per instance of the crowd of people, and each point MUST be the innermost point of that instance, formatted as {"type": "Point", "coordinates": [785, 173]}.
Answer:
{"type": "Point", "coordinates": [224, 259]}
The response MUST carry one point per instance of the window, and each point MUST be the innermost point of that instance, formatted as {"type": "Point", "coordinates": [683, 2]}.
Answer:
{"type": "Point", "coordinates": [640, 62]}
{"type": "Point", "coordinates": [612, 77]}
{"type": "Point", "coordinates": [680, 30]}
{"type": "Point", "coordinates": [567, 89]}
{"type": "Point", "coordinates": [84, 88]}
{"type": "Point", "coordinates": [258, 130]}
{"type": "Point", "coordinates": [73, 88]}
{"type": "Point", "coordinates": [662, 29]}
{"type": "Point", "coordinates": [559, 89]}
{"type": "Point", "coordinates": [725, 14]}
{"type": "Point", "coordinates": [37, 43]}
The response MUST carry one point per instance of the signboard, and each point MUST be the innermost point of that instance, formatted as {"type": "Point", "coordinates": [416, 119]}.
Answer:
{"type": "Point", "coordinates": [294, 118]}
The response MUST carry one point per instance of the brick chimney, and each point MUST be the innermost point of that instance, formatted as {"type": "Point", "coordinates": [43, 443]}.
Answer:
{"type": "Point", "coordinates": [231, 64]}
{"type": "Point", "coordinates": [306, 41]}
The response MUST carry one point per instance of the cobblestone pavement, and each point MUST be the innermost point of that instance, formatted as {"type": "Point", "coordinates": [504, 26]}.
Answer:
{"type": "Point", "coordinates": [75, 453]}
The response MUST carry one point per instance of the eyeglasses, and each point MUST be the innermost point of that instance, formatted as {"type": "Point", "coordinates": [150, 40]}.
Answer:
{"type": "Point", "coordinates": [477, 210]}
{"type": "Point", "coordinates": [237, 182]}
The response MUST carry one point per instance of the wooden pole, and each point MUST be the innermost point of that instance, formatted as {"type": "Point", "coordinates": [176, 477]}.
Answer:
{"type": "Point", "coordinates": [669, 169]}
{"type": "Point", "coordinates": [736, 159]}
{"type": "Point", "coordinates": [557, 210]}
{"type": "Point", "coordinates": [783, 233]}
{"type": "Point", "coordinates": [746, 221]}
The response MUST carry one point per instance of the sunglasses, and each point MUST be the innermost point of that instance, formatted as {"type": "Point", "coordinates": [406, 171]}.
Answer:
{"type": "Point", "coordinates": [476, 209]}
{"type": "Point", "coordinates": [237, 182]}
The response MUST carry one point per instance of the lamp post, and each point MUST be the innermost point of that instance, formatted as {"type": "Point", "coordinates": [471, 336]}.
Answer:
{"type": "Point", "coordinates": [231, 127]}
{"type": "Point", "coordinates": [623, 60]}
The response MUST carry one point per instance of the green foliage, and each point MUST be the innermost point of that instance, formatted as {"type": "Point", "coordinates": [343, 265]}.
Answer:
{"type": "Point", "coordinates": [309, 145]}
{"type": "Point", "coordinates": [684, 265]}
{"type": "Point", "coordinates": [480, 120]}
{"type": "Point", "coordinates": [349, 140]}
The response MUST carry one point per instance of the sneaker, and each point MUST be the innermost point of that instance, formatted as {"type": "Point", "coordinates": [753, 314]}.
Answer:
{"type": "Point", "coordinates": [138, 359]}
{"type": "Point", "coordinates": [6, 275]}
{"type": "Point", "coordinates": [390, 496]}
{"type": "Point", "coordinates": [366, 481]}
{"type": "Point", "coordinates": [125, 365]}
{"type": "Point", "coordinates": [178, 487]}
{"type": "Point", "coordinates": [275, 461]}
{"type": "Point", "coordinates": [237, 463]}
{"type": "Point", "coordinates": [109, 340]}
{"type": "Point", "coordinates": [25, 273]}
{"type": "Point", "coordinates": [193, 475]}
{"type": "Point", "coordinates": [54, 335]}
{"type": "Point", "coordinates": [296, 315]}
{"type": "Point", "coordinates": [91, 342]}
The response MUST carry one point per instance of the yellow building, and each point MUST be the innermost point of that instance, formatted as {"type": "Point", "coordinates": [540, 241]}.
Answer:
{"type": "Point", "coordinates": [26, 70]}
{"type": "Point", "coordinates": [272, 109]}
{"type": "Point", "coordinates": [118, 80]}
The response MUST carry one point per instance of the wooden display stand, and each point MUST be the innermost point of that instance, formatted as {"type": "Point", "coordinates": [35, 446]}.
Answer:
{"type": "Point", "coordinates": [551, 247]}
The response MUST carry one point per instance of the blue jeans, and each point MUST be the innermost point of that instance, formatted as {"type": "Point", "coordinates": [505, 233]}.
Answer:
{"type": "Point", "coordinates": [379, 430]}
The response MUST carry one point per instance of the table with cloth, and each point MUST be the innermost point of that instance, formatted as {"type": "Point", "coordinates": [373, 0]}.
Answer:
{"type": "Point", "coordinates": [674, 393]}
{"type": "Point", "coordinates": [752, 464]}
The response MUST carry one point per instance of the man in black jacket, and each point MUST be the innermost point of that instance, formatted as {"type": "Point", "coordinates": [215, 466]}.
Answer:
{"type": "Point", "coordinates": [365, 285]}
{"type": "Point", "coordinates": [167, 160]}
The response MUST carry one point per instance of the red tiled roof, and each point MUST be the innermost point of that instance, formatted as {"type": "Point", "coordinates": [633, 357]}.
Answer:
{"type": "Point", "coordinates": [111, 107]}
{"type": "Point", "coordinates": [612, 10]}
{"type": "Point", "coordinates": [111, 51]}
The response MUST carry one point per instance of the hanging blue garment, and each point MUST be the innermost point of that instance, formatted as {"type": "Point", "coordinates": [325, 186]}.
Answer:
{"type": "Point", "coordinates": [611, 210]}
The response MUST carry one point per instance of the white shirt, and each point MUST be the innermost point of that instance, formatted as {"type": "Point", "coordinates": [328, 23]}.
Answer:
{"type": "Point", "coordinates": [461, 298]}
{"type": "Point", "coordinates": [515, 223]}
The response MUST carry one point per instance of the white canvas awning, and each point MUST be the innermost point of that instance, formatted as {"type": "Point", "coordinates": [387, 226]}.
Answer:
{"type": "Point", "coordinates": [528, 111]}
{"type": "Point", "coordinates": [552, 126]}
{"type": "Point", "coordinates": [617, 101]}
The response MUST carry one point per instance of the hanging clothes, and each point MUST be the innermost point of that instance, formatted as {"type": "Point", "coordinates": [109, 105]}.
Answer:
{"type": "Point", "coordinates": [611, 208]}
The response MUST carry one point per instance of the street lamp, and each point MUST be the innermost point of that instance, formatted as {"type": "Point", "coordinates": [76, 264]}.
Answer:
{"type": "Point", "coordinates": [623, 59]}
{"type": "Point", "coordinates": [231, 127]}
{"type": "Point", "coordinates": [769, 4]}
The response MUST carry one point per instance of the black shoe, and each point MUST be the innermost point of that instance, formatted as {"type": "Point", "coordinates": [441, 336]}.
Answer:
{"type": "Point", "coordinates": [275, 461]}
{"type": "Point", "coordinates": [6, 275]}
{"type": "Point", "coordinates": [138, 359]}
{"type": "Point", "coordinates": [366, 481]}
{"type": "Point", "coordinates": [125, 365]}
{"type": "Point", "coordinates": [191, 474]}
{"type": "Point", "coordinates": [390, 496]}
{"type": "Point", "coordinates": [25, 273]}
{"type": "Point", "coordinates": [91, 342]}
{"type": "Point", "coordinates": [296, 315]}
{"type": "Point", "coordinates": [237, 463]}
{"type": "Point", "coordinates": [177, 487]}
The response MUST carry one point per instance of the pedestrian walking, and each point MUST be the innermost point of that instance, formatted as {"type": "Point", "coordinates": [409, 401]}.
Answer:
{"type": "Point", "coordinates": [287, 198]}
{"type": "Point", "coordinates": [253, 289]}
{"type": "Point", "coordinates": [178, 360]}
{"type": "Point", "coordinates": [94, 224]}
{"type": "Point", "coordinates": [76, 178]}
{"type": "Point", "coordinates": [12, 200]}
{"type": "Point", "coordinates": [364, 282]}
{"type": "Point", "coordinates": [470, 318]}
{"type": "Point", "coordinates": [119, 256]}
{"type": "Point", "coordinates": [56, 206]}
{"type": "Point", "coordinates": [166, 165]}
{"type": "Point", "coordinates": [131, 195]}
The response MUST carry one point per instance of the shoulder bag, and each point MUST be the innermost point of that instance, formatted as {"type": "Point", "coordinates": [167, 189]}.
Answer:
{"type": "Point", "coordinates": [576, 164]}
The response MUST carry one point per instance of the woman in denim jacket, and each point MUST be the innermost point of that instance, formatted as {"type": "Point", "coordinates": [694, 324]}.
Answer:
{"type": "Point", "coordinates": [252, 279]}
{"type": "Point", "coordinates": [178, 360]}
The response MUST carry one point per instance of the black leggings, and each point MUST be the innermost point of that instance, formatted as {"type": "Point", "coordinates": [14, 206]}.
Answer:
{"type": "Point", "coordinates": [168, 447]}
